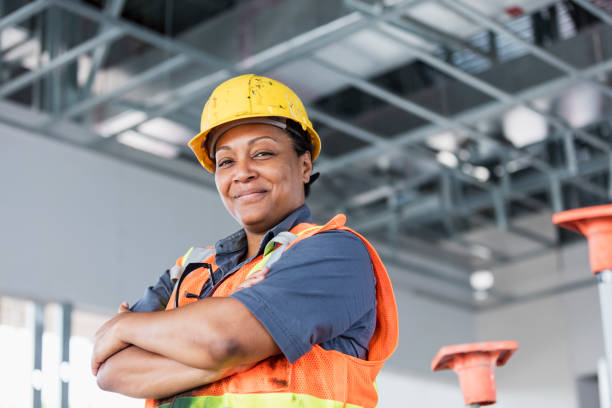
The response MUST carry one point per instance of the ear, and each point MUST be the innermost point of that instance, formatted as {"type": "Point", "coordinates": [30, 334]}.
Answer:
{"type": "Point", "coordinates": [305, 162]}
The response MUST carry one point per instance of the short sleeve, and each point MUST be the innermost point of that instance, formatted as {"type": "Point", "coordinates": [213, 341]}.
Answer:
{"type": "Point", "coordinates": [321, 288]}
{"type": "Point", "coordinates": [155, 297]}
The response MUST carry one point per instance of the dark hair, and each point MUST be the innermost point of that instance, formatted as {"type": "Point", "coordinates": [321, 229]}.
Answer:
{"type": "Point", "coordinates": [301, 144]}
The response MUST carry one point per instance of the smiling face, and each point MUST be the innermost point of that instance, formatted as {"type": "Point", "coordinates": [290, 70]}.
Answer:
{"type": "Point", "coordinates": [259, 176]}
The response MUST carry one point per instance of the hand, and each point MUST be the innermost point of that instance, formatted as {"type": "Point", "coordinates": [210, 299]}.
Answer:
{"type": "Point", "coordinates": [254, 279]}
{"type": "Point", "coordinates": [124, 307]}
{"type": "Point", "coordinates": [107, 341]}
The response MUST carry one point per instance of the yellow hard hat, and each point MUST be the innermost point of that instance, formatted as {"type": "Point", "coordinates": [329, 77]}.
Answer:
{"type": "Point", "coordinates": [249, 96]}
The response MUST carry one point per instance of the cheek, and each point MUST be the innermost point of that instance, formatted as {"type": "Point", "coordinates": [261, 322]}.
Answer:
{"type": "Point", "coordinates": [291, 178]}
{"type": "Point", "coordinates": [221, 185]}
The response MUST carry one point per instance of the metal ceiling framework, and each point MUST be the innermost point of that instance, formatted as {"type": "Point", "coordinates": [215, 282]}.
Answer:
{"type": "Point", "coordinates": [445, 202]}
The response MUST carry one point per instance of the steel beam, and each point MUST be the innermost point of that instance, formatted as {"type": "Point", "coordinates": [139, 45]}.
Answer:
{"type": "Point", "coordinates": [570, 153]}
{"type": "Point", "coordinates": [588, 187]}
{"type": "Point", "coordinates": [489, 89]}
{"type": "Point", "coordinates": [66, 325]}
{"type": "Point", "coordinates": [489, 110]}
{"type": "Point", "coordinates": [39, 325]}
{"type": "Point", "coordinates": [459, 7]}
{"type": "Point", "coordinates": [53, 39]}
{"type": "Point", "coordinates": [23, 13]}
{"type": "Point", "coordinates": [596, 11]}
{"type": "Point", "coordinates": [427, 114]}
{"type": "Point", "coordinates": [610, 182]}
{"type": "Point", "coordinates": [414, 26]}
{"type": "Point", "coordinates": [266, 60]}
{"type": "Point", "coordinates": [1, 48]}
{"type": "Point", "coordinates": [113, 9]}
{"type": "Point", "coordinates": [133, 83]}
{"type": "Point", "coordinates": [375, 139]}
{"type": "Point", "coordinates": [180, 97]}
{"type": "Point", "coordinates": [391, 191]}
{"type": "Point", "coordinates": [143, 34]}
{"type": "Point", "coordinates": [428, 207]}
{"type": "Point", "coordinates": [296, 47]}
{"type": "Point", "coordinates": [556, 195]}
{"type": "Point", "coordinates": [26, 79]}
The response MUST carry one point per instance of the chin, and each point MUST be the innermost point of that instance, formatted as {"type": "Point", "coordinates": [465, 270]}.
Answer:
{"type": "Point", "coordinates": [255, 219]}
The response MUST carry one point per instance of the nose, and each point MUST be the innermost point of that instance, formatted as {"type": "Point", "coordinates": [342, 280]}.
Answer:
{"type": "Point", "coordinates": [244, 171]}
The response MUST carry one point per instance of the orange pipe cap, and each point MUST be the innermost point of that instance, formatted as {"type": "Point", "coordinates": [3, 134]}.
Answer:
{"type": "Point", "coordinates": [595, 223]}
{"type": "Point", "coordinates": [474, 364]}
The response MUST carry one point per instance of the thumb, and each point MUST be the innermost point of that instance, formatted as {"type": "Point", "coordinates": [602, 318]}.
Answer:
{"type": "Point", "coordinates": [123, 307]}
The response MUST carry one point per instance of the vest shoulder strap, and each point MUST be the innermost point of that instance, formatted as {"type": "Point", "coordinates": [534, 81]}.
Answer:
{"type": "Point", "coordinates": [194, 255]}
{"type": "Point", "coordinates": [286, 239]}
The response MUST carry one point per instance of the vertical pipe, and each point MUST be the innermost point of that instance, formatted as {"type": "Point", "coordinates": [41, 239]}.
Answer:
{"type": "Point", "coordinates": [556, 194]}
{"type": "Point", "coordinates": [610, 179]}
{"type": "Point", "coordinates": [53, 45]}
{"type": "Point", "coordinates": [1, 15]}
{"type": "Point", "coordinates": [65, 352]}
{"type": "Point", "coordinates": [39, 321]}
{"type": "Point", "coordinates": [499, 206]}
{"type": "Point", "coordinates": [446, 200]}
{"type": "Point", "coordinates": [604, 279]}
{"type": "Point", "coordinates": [602, 383]}
{"type": "Point", "coordinates": [113, 9]}
{"type": "Point", "coordinates": [570, 153]}
{"type": "Point", "coordinates": [37, 92]}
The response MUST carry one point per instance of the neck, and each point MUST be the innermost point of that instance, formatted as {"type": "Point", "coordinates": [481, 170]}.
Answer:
{"type": "Point", "coordinates": [253, 242]}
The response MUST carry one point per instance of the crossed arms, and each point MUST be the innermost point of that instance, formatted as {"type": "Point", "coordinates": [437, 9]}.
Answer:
{"type": "Point", "coordinates": [159, 354]}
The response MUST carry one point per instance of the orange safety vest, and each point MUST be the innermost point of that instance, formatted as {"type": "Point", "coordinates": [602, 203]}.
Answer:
{"type": "Point", "coordinates": [320, 378]}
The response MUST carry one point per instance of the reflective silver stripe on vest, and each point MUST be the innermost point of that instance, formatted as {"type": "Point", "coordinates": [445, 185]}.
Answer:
{"type": "Point", "coordinates": [198, 255]}
{"type": "Point", "coordinates": [285, 239]}
{"type": "Point", "coordinates": [195, 255]}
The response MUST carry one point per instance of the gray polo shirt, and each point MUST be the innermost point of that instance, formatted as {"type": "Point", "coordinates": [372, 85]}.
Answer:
{"type": "Point", "coordinates": [321, 291]}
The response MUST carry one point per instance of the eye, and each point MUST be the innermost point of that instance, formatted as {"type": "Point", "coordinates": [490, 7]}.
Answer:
{"type": "Point", "coordinates": [224, 162]}
{"type": "Point", "coordinates": [263, 154]}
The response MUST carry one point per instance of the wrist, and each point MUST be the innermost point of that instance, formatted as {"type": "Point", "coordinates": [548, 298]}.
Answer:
{"type": "Point", "coordinates": [122, 329]}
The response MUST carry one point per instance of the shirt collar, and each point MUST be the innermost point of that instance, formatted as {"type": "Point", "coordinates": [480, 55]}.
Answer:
{"type": "Point", "coordinates": [237, 242]}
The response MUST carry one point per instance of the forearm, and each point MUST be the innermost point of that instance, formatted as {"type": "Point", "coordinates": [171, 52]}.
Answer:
{"type": "Point", "coordinates": [141, 374]}
{"type": "Point", "coordinates": [212, 334]}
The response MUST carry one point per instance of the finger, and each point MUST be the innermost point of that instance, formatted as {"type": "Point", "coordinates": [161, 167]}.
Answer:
{"type": "Point", "coordinates": [95, 366]}
{"type": "Point", "coordinates": [250, 282]}
{"type": "Point", "coordinates": [124, 307]}
{"type": "Point", "coordinates": [260, 273]}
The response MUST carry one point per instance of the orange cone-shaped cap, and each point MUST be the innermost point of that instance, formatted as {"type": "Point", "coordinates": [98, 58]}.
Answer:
{"type": "Point", "coordinates": [595, 223]}
{"type": "Point", "coordinates": [474, 364]}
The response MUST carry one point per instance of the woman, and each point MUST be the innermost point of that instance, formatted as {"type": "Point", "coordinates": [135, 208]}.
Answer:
{"type": "Point", "coordinates": [281, 313]}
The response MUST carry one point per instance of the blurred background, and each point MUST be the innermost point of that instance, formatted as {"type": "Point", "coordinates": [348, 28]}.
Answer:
{"type": "Point", "coordinates": [452, 130]}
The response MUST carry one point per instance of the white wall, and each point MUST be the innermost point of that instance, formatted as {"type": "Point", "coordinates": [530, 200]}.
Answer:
{"type": "Point", "coordinates": [80, 227]}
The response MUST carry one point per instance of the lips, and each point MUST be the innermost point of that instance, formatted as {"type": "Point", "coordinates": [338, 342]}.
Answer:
{"type": "Point", "coordinates": [250, 193]}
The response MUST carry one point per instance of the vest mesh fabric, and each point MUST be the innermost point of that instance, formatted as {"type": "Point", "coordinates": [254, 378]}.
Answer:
{"type": "Point", "coordinates": [329, 376]}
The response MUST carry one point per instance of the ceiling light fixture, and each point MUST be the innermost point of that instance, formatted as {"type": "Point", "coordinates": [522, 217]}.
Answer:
{"type": "Point", "coordinates": [523, 127]}
{"type": "Point", "coordinates": [482, 280]}
{"type": "Point", "coordinates": [147, 144]}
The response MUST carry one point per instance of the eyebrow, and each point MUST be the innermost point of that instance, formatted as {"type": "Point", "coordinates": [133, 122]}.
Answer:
{"type": "Point", "coordinates": [250, 142]}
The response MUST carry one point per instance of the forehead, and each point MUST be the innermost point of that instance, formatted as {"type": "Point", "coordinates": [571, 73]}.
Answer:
{"type": "Point", "coordinates": [251, 133]}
